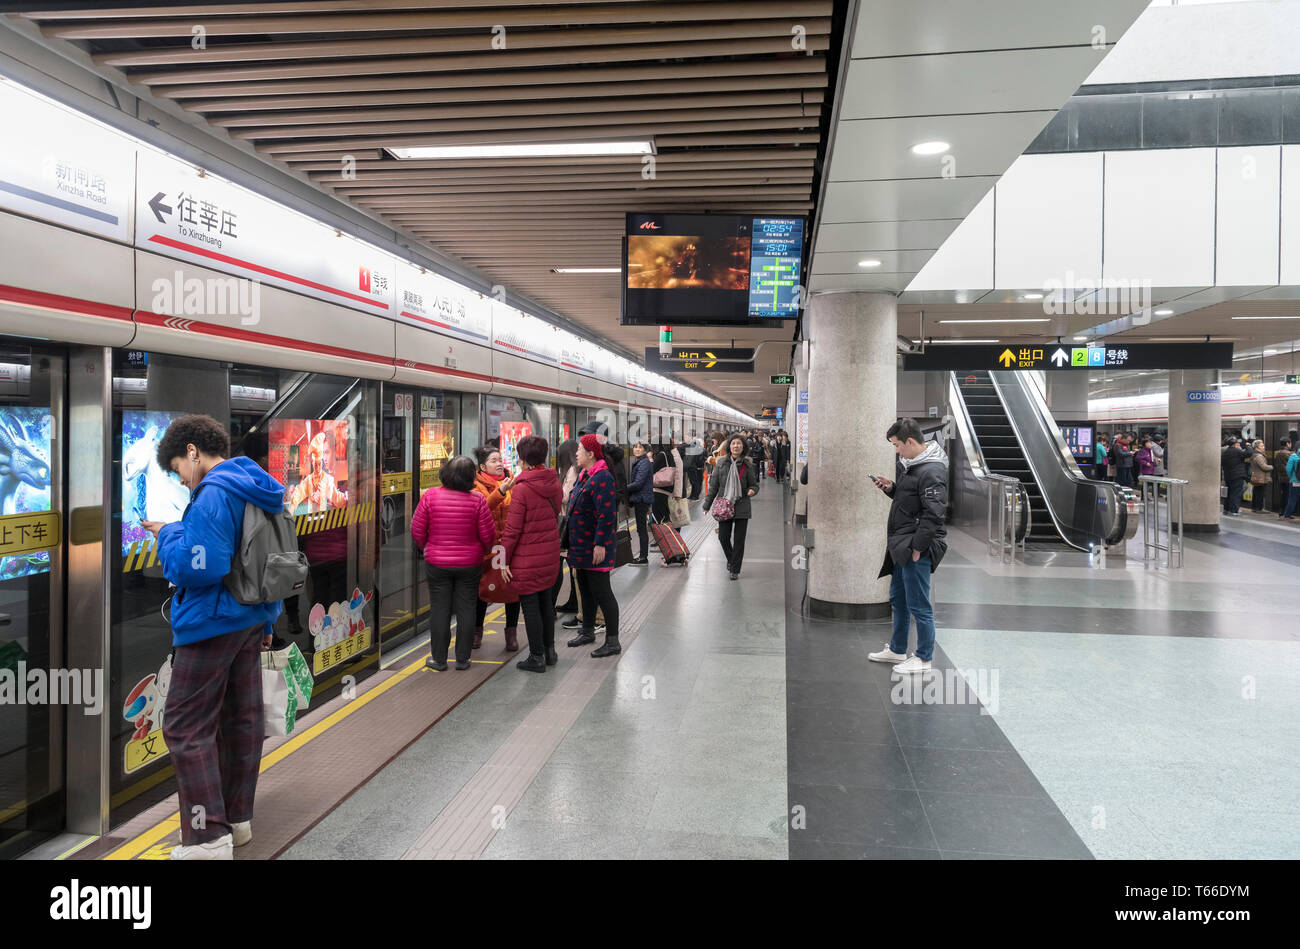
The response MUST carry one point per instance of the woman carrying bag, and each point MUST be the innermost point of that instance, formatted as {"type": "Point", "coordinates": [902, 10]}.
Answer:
{"type": "Point", "coordinates": [532, 549]}
{"type": "Point", "coordinates": [592, 529]}
{"type": "Point", "coordinates": [734, 482]}
{"type": "Point", "coordinates": [494, 483]}
{"type": "Point", "coordinates": [664, 479]}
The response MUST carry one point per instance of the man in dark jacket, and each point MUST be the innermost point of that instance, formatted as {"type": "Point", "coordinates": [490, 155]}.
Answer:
{"type": "Point", "coordinates": [916, 542]}
{"type": "Point", "coordinates": [1233, 463]}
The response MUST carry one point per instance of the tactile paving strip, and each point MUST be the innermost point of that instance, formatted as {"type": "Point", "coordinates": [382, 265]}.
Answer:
{"type": "Point", "coordinates": [471, 819]}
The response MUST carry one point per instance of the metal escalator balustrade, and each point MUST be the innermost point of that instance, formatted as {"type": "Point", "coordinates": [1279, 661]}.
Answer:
{"type": "Point", "coordinates": [1003, 454]}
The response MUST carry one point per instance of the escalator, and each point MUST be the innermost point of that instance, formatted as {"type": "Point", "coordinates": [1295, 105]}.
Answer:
{"type": "Point", "coordinates": [1003, 455]}
{"type": "Point", "coordinates": [1006, 430]}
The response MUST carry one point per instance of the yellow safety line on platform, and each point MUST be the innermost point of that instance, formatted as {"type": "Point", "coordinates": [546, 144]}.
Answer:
{"type": "Point", "coordinates": [146, 840]}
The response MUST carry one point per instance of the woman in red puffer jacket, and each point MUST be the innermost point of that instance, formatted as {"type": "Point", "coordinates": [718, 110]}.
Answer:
{"type": "Point", "coordinates": [453, 526]}
{"type": "Point", "coordinates": [532, 549]}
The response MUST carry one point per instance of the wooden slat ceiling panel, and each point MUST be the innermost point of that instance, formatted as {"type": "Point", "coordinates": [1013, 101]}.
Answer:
{"type": "Point", "coordinates": [734, 93]}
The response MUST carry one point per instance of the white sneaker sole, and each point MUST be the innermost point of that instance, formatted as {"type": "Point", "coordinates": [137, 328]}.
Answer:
{"type": "Point", "coordinates": [884, 659]}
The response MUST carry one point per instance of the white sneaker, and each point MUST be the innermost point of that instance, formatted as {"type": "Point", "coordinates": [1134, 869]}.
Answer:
{"type": "Point", "coordinates": [220, 849]}
{"type": "Point", "coordinates": [242, 832]}
{"type": "Point", "coordinates": [912, 665]}
{"type": "Point", "coordinates": [886, 655]}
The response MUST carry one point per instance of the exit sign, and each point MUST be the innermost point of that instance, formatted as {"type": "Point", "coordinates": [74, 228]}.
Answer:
{"type": "Point", "coordinates": [1293, 380]}
{"type": "Point", "coordinates": [783, 380]}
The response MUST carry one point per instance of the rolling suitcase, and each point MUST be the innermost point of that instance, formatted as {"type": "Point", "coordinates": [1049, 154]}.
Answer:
{"type": "Point", "coordinates": [671, 546]}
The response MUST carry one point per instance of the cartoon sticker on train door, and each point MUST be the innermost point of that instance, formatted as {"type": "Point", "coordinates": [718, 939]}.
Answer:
{"type": "Point", "coordinates": [143, 708]}
{"type": "Point", "coordinates": [339, 632]}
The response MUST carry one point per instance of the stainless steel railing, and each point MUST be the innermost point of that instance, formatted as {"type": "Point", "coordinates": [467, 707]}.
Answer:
{"type": "Point", "coordinates": [1152, 504]}
{"type": "Point", "coordinates": [1009, 511]}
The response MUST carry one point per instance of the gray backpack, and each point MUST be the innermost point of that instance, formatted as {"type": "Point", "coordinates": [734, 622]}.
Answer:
{"type": "Point", "coordinates": [267, 566]}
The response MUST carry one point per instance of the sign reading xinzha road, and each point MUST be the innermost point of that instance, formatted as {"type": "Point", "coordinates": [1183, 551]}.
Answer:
{"type": "Point", "coordinates": [1065, 357]}
{"type": "Point", "coordinates": [700, 359]}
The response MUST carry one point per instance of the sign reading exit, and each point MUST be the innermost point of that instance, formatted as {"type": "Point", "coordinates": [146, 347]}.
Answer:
{"type": "Point", "coordinates": [1063, 357]}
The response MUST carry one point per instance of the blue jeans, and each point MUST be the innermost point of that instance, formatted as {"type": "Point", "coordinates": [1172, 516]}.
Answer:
{"type": "Point", "coordinates": [1292, 501]}
{"type": "Point", "coordinates": [909, 595]}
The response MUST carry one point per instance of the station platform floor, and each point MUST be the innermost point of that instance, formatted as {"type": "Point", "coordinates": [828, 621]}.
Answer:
{"type": "Point", "coordinates": [1115, 711]}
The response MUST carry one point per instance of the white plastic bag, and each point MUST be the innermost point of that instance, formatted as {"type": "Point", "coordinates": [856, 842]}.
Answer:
{"type": "Point", "coordinates": [275, 703]}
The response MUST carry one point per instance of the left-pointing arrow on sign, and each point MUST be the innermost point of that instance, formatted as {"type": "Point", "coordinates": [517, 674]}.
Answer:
{"type": "Point", "coordinates": [1060, 357]}
{"type": "Point", "coordinates": [158, 208]}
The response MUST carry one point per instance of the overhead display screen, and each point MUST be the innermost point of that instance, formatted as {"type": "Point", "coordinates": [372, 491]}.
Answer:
{"type": "Point", "coordinates": [711, 269]}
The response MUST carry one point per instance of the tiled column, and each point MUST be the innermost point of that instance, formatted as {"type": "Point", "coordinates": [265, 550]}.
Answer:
{"type": "Point", "coordinates": [1195, 439]}
{"type": "Point", "coordinates": [852, 394]}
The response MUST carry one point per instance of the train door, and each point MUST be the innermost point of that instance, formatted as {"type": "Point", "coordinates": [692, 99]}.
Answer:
{"type": "Point", "coordinates": [33, 698]}
{"type": "Point", "coordinates": [419, 433]}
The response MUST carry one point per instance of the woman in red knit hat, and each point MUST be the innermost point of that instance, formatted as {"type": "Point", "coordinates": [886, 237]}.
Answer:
{"type": "Point", "coordinates": [593, 521]}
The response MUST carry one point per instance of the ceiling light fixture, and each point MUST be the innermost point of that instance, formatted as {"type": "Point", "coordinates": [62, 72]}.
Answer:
{"type": "Point", "coordinates": [586, 270]}
{"type": "Point", "coordinates": [1080, 339]}
{"type": "Point", "coordinates": [1036, 319]}
{"type": "Point", "coordinates": [868, 263]}
{"type": "Point", "coordinates": [950, 342]}
{"type": "Point", "coordinates": [1266, 317]}
{"type": "Point", "coordinates": [1031, 296]}
{"type": "Point", "coordinates": [1164, 312]}
{"type": "Point", "coordinates": [930, 148]}
{"type": "Point", "coordinates": [532, 150]}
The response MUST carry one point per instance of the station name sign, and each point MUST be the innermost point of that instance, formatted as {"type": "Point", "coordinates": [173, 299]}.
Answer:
{"type": "Point", "coordinates": [1066, 357]}
{"type": "Point", "coordinates": [699, 359]}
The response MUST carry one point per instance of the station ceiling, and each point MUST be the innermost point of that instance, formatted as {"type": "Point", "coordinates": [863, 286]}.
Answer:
{"type": "Point", "coordinates": [733, 94]}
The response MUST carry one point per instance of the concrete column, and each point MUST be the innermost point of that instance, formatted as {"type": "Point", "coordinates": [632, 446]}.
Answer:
{"type": "Point", "coordinates": [1194, 446]}
{"type": "Point", "coordinates": [1067, 395]}
{"type": "Point", "coordinates": [852, 395]}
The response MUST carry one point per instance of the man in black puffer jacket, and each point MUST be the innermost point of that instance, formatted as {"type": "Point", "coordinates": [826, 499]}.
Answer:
{"type": "Point", "coordinates": [916, 542]}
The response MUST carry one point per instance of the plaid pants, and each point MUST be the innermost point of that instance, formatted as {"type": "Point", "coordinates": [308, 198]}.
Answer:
{"type": "Point", "coordinates": [213, 726]}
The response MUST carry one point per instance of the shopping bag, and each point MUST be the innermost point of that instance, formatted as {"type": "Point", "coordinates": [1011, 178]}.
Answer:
{"type": "Point", "coordinates": [1249, 493]}
{"type": "Point", "coordinates": [297, 673]}
{"type": "Point", "coordinates": [679, 512]}
{"type": "Point", "coordinates": [277, 704]}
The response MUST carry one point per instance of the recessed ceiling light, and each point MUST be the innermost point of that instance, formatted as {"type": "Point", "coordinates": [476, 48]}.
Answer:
{"type": "Point", "coordinates": [949, 342]}
{"type": "Point", "coordinates": [1031, 296]}
{"type": "Point", "coordinates": [1043, 319]}
{"type": "Point", "coordinates": [1164, 312]}
{"type": "Point", "coordinates": [1266, 317]}
{"type": "Point", "coordinates": [1080, 339]}
{"type": "Point", "coordinates": [586, 270]}
{"type": "Point", "coordinates": [532, 150]}
{"type": "Point", "coordinates": [868, 263]}
{"type": "Point", "coordinates": [930, 148]}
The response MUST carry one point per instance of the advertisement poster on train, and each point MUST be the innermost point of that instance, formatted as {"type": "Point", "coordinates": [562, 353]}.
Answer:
{"type": "Point", "coordinates": [511, 432]}
{"type": "Point", "coordinates": [310, 458]}
{"type": "Point", "coordinates": [149, 493]}
{"type": "Point", "coordinates": [24, 483]}
{"type": "Point", "coordinates": [437, 447]}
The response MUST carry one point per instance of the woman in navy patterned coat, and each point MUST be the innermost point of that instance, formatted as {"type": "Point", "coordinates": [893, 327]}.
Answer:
{"type": "Point", "coordinates": [593, 521]}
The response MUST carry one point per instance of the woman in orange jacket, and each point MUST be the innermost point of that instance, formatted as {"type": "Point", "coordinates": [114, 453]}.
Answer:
{"type": "Point", "coordinates": [494, 483]}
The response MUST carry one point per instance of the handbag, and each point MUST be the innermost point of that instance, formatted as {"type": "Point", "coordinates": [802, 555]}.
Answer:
{"type": "Point", "coordinates": [679, 512]}
{"type": "Point", "coordinates": [724, 505]}
{"type": "Point", "coordinates": [278, 709]}
{"type": "Point", "coordinates": [665, 477]}
{"type": "Point", "coordinates": [493, 588]}
{"type": "Point", "coordinates": [623, 547]}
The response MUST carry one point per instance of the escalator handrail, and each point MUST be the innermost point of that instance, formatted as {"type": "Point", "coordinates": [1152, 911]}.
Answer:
{"type": "Point", "coordinates": [1119, 497]}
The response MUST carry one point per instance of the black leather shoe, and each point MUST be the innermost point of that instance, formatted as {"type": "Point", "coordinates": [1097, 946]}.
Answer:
{"type": "Point", "coordinates": [431, 663]}
{"type": "Point", "coordinates": [639, 561]}
{"type": "Point", "coordinates": [582, 639]}
{"type": "Point", "coordinates": [531, 664]}
{"type": "Point", "coordinates": [462, 665]}
{"type": "Point", "coordinates": [735, 576]}
{"type": "Point", "coordinates": [610, 648]}
{"type": "Point", "coordinates": [575, 623]}
{"type": "Point", "coordinates": [551, 657]}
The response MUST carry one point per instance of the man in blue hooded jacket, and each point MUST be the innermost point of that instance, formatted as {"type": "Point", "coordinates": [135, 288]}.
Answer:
{"type": "Point", "coordinates": [212, 718]}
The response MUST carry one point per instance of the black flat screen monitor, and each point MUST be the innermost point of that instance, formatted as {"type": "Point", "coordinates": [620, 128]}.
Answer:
{"type": "Point", "coordinates": [1081, 437]}
{"type": "Point", "coordinates": [729, 269]}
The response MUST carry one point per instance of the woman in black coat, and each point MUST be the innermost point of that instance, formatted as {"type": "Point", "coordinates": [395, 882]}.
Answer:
{"type": "Point", "coordinates": [731, 532]}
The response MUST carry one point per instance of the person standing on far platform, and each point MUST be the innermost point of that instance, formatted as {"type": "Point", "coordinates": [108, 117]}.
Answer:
{"type": "Point", "coordinates": [916, 542]}
{"type": "Point", "coordinates": [1234, 464]}
{"type": "Point", "coordinates": [1261, 476]}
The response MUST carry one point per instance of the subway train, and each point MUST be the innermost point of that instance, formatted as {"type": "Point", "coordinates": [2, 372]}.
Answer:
{"type": "Point", "coordinates": [135, 288]}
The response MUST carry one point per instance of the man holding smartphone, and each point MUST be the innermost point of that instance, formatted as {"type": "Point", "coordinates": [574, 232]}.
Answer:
{"type": "Point", "coordinates": [916, 542]}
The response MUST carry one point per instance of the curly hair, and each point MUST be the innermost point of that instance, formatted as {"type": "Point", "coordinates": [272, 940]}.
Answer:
{"type": "Point", "coordinates": [202, 431]}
